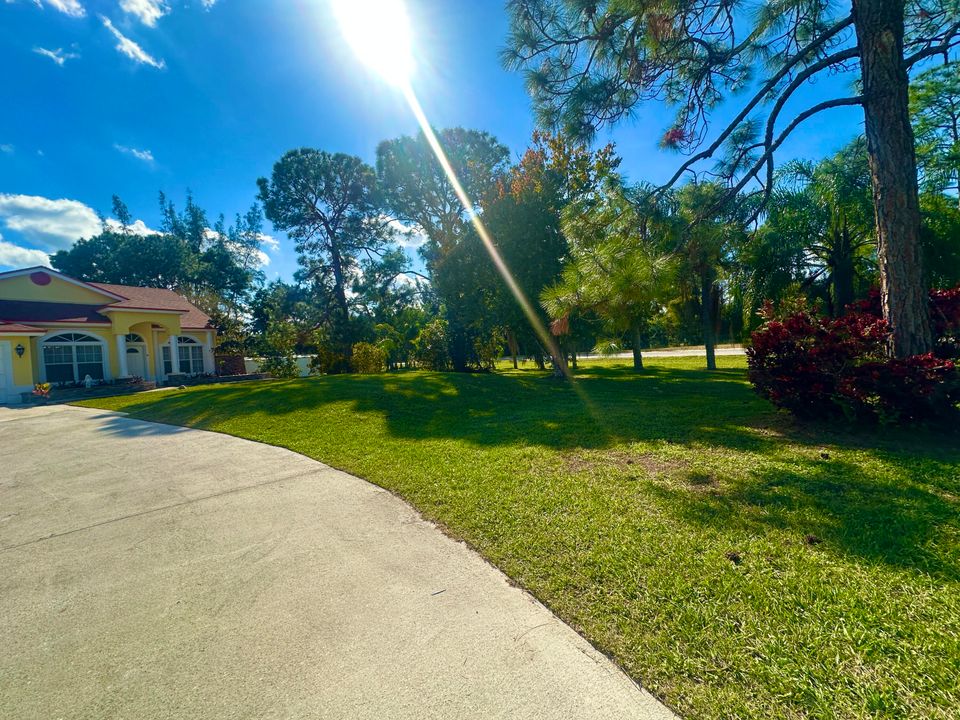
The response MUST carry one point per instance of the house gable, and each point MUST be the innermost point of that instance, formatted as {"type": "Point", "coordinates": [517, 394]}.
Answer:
{"type": "Point", "coordinates": [44, 285]}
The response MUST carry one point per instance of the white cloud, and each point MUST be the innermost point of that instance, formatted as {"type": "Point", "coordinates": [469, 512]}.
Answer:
{"type": "Point", "coordinates": [58, 56]}
{"type": "Point", "coordinates": [73, 8]}
{"type": "Point", "coordinates": [405, 280]}
{"type": "Point", "coordinates": [147, 11]}
{"type": "Point", "coordinates": [55, 224]}
{"type": "Point", "coordinates": [408, 236]}
{"type": "Point", "coordinates": [137, 227]}
{"type": "Point", "coordinates": [128, 47]}
{"type": "Point", "coordinates": [6, 148]}
{"type": "Point", "coordinates": [270, 243]}
{"type": "Point", "coordinates": [144, 155]}
{"type": "Point", "coordinates": [19, 257]}
{"type": "Point", "coordinates": [50, 223]}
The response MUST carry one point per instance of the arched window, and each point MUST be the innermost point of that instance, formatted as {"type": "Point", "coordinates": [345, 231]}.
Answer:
{"type": "Point", "coordinates": [133, 337]}
{"type": "Point", "coordinates": [190, 354]}
{"type": "Point", "coordinates": [70, 357]}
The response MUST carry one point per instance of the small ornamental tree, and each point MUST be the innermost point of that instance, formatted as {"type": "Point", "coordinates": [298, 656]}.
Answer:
{"type": "Point", "coordinates": [430, 346]}
{"type": "Point", "coordinates": [281, 362]}
{"type": "Point", "coordinates": [368, 359]}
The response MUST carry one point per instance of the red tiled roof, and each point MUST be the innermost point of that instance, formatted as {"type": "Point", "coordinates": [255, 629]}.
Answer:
{"type": "Point", "coordinates": [141, 298]}
{"type": "Point", "coordinates": [15, 329]}
{"type": "Point", "coordinates": [29, 311]}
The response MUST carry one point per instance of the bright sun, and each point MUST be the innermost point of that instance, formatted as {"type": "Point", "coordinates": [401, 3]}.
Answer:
{"type": "Point", "coordinates": [379, 33]}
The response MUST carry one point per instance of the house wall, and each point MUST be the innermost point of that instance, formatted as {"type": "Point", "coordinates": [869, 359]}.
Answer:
{"type": "Point", "coordinates": [126, 322]}
{"type": "Point", "coordinates": [22, 366]}
{"type": "Point", "coordinates": [22, 287]}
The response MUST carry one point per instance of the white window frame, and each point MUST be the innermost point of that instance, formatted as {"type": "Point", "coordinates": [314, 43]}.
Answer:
{"type": "Point", "coordinates": [52, 338]}
{"type": "Point", "coordinates": [191, 363]}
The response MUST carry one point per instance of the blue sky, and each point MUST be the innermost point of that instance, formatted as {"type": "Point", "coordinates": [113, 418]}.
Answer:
{"type": "Point", "coordinates": [136, 96]}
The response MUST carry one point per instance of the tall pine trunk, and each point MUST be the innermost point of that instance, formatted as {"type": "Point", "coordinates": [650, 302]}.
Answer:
{"type": "Point", "coordinates": [706, 316]}
{"type": "Point", "coordinates": [842, 272]}
{"type": "Point", "coordinates": [514, 347]}
{"type": "Point", "coordinates": [340, 295]}
{"type": "Point", "coordinates": [893, 167]}
{"type": "Point", "coordinates": [637, 355]}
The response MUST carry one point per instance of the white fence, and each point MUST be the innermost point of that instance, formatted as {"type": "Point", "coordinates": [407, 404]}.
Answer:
{"type": "Point", "coordinates": [252, 365]}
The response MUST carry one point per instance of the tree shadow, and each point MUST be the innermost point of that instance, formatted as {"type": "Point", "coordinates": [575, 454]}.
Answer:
{"type": "Point", "coordinates": [602, 407]}
{"type": "Point", "coordinates": [885, 509]}
{"type": "Point", "coordinates": [888, 521]}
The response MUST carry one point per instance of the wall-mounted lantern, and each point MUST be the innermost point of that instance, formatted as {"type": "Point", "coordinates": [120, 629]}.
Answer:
{"type": "Point", "coordinates": [20, 350]}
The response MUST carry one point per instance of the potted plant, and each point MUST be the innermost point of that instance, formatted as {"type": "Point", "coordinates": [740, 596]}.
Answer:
{"type": "Point", "coordinates": [41, 391]}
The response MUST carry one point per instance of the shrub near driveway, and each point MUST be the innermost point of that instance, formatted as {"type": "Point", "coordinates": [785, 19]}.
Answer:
{"type": "Point", "coordinates": [819, 367]}
{"type": "Point", "coordinates": [736, 563]}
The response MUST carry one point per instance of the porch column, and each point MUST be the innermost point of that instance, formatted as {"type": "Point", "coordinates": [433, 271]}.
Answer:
{"type": "Point", "coordinates": [175, 354]}
{"type": "Point", "coordinates": [122, 355]}
{"type": "Point", "coordinates": [208, 360]}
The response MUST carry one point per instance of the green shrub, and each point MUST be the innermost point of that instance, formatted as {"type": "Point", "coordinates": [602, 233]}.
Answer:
{"type": "Point", "coordinates": [280, 366]}
{"type": "Point", "coordinates": [281, 342]}
{"type": "Point", "coordinates": [431, 346]}
{"type": "Point", "coordinates": [329, 362]}
{"type": "Point", "coordinates": [368, 359]}
{"type": "Point", "coordinates": [489, 349]}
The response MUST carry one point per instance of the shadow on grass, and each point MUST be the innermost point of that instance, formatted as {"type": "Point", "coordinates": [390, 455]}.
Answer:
{"type": "Point", "coordinates": [608, 406]}
{"type": "Point", "coordinates": [881, 520]}
{"type": "Point", "coordinates": [884, 514]}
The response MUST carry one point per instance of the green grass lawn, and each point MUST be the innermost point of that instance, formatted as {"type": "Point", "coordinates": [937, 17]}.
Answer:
{"type": "Point", "coordinates": [738, 564]}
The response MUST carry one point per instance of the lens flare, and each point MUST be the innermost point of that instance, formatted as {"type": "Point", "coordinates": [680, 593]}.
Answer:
{"type": "Point", "coordinates": [545, 337]}
{"type": "Point", "coordinates": [378, 32]}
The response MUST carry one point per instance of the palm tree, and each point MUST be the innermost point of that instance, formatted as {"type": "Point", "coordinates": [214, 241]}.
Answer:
{"type": "Point", "coordinates": [822, 219]}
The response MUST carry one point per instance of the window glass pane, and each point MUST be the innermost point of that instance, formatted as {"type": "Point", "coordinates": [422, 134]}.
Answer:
{"type": "Point", "coordinates": [89, 354]}
{"type": "Point", "coordinates": [59, 373]}
{"type": "Point", "coordinates": [196, 353]}
{"type": "Point", "coordinates": [167, 363]}
{"type": "Point", "coordinates": [184, 353]}
{"type": "Point", "coordinates": [58, 362]}
{"type": "Point", "coordinates": [58, 354]}
{"type": "Point", "coordinates": [94, 370]}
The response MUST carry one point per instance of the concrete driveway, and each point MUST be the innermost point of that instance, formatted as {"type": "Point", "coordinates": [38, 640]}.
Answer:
{"type": "Point", "coordinates": [148, 571]}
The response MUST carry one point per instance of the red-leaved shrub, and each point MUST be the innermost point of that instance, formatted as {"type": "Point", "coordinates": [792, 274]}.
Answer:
{"type": "Point", "coordinates": [820, 367]}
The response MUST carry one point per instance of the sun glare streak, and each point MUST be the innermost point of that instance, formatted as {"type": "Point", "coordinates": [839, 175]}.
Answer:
{"type": "Point", "coordinates": [481, 229]}
{"type": "Point", "coordinates": [545, 336]}
{"type": "Point", "coordinates": [378, 31]}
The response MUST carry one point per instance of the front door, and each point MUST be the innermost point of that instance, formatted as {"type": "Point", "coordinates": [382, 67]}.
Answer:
{"type": "Point", "coordinates": [136, 361]}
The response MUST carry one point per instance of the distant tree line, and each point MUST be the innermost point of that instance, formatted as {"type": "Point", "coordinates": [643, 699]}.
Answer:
{"type": "Point", "coordinates": [609, 265]}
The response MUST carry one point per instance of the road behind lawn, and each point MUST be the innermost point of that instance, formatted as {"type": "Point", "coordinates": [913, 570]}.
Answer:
{"type": "Point", "coordinates": [163, 572]}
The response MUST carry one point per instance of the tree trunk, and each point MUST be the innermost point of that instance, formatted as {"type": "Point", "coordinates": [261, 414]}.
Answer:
{"type": "Point", "coordinates": [637, 356]}
{"type": "Point", "coordinates": [842, 272]}
{"type": "Point", "coordinates": [512, 344]}
{"type": "Point", "coordinates": [340, 294]}
{"type": "Point", "coordinates": [559, 361]}
{"type": "Point", "coordinates": [706, 316]}
{"type": "Point", "coordinates": [538, 360]}
{"type": "Point", "coordinates": [893, 167]}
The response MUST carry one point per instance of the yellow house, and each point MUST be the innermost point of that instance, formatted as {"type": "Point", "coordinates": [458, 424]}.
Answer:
{"type": "Point", "coordinates": [59, 330]}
